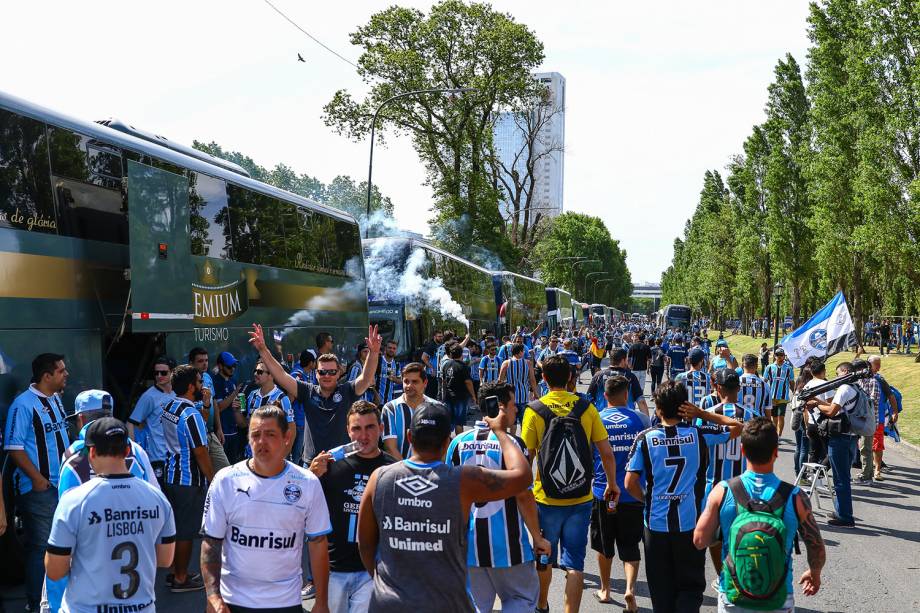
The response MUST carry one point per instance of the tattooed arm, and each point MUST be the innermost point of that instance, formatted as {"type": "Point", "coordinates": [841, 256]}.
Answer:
{"type": "Point", "coordinates": [479, 484]}
{"type": "Point", "coordinates": [211, 549]}
{"type": "Point", "coordinates": [814, 545]}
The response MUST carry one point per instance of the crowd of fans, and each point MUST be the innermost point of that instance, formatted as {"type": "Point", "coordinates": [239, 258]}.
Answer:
{"type": "Point", "coordinates": [413, 480]}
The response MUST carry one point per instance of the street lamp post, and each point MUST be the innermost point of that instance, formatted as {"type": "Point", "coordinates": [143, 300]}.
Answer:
{"type": "Point", "coordinates": [576, 264]}
{"type": "Point", "coordinates": [606, 280]}
{"type": "Point", "coordinates": [589, 275]}
{"type": "Point", "coordinates": [722, 314]}
{"type": "Point", "coordinates": [778, 292]}
{"type": "Point", "coordinates": [370, 163]}
{"type": "Point", "coordinates": [576, 259]}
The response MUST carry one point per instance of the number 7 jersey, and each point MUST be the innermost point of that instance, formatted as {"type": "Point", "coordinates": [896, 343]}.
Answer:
{"type": "Point", "coordinates": [673, 460]}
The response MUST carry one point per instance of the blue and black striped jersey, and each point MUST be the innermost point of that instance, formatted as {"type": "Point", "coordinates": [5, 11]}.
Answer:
{"type": "Point", "coordinates": [698, 383]}
{"type": "Point", "coordinates": [184, 430]}
{"type": "Point", "coordinates": [388, 389]}
{"type": "Point", "coordinates": [497, 535]}
{"type": "Point", "coordinates": [725, 459]}
{"type": "Point", "coordinates": [397, 417]}
{"type": "Point", "coordinates": [754, 396]}
{"type": "Point", "coordinates": [256, 400]}
{"type": "Point", "coordinates": [673, 460]}
{"type": "Point", "coordinates": [517, 372]}
{"type": "Point", "coordinates": [490, 368]}
{"type": "Point", "coordinates": [37, 425]}
{"type": "Point", "coordinates": [781, 379]}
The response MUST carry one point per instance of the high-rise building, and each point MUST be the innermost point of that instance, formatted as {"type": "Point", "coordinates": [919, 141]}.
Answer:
{"type": "Point", "coordinates": [510, 138]}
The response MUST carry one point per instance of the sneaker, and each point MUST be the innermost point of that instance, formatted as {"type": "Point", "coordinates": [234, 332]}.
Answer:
{"type": "Point", "coordinates": [192, 583]}
{"type": "Point", "coordinates": [864, 480]}
{"type": "Point", "coordinates": [308, 592]}
{"type": "Point", "coordinates": [836, 521]}
{"type": "Point", "coordinates": [886, 469]}
{"type": "Point", "coordinates": [169, 579]}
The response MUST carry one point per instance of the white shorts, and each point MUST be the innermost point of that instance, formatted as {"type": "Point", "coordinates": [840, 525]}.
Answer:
{"type": "Point", "coordinates": [516, 586]}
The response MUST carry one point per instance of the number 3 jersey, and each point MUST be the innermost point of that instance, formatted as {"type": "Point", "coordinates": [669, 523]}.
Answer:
{"type": "Point", "coordinates": [110, 526]}
{"type": "Point", "coordinates": [673, 460]}
{"type": "Point", "coordinates": [262, 522]}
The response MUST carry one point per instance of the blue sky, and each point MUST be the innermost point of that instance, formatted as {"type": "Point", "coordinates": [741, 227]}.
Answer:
{"type": "Point", "coordinates": [657, 92]}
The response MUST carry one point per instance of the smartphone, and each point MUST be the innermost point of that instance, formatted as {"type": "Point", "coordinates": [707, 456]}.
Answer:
{"type": "Point", "coordinates": [490, 408]}
{"type": "Point", "coordinates": [278, 336]}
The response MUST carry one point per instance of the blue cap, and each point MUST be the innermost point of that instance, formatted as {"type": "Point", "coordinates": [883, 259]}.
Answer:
{"type": "Point", "coordinates": [226, 358]}
{"type": "Point", "coordinates": [696, 355]}
{"type": "Point", "coordinates": [93, 400]}
{"type": "Point", "coordinates": [721, 343]}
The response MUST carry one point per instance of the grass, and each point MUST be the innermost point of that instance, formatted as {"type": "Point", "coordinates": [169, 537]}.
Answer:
{"type": "Point", "coordinates": [900, 371]}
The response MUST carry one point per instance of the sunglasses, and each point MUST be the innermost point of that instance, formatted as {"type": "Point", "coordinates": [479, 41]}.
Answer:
{"type": "Point", "coordinates": [258, 371]}
{"type": "Point", "coordinates": [327, 372]}
{"type": "Point", "coordinates": [161, 373]}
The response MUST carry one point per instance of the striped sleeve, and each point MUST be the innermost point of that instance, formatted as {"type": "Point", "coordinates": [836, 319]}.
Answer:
{"type": "Point", "coordinates": [194, 423]}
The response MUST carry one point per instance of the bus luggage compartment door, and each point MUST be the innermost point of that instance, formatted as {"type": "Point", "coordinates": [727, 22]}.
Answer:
{"type": "Point", "coordinates": [161, 266]}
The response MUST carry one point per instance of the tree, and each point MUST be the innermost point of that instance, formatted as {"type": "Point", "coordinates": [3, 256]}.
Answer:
{"type": "Point", "coordinates": [575, 235]}
{"type": "Point", "coordinates": [516, 169]}
{"type": "Point", "coordinates": [454, 45]}
{"type": "Point", "coordinates": [342, 193]}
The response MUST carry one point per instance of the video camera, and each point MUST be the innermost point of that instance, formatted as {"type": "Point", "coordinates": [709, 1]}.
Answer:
{"type": "Point", "coordinates": [807, 394]}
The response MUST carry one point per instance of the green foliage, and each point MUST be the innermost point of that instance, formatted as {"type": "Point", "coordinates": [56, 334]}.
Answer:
{"type": "Point", "coordinates": [342, 193]}
{"type": "Point", "coordinates": [454, 45]}
{"type": "Point", "coordinates": [826, 194]}
{"type": "Point", "coordinates": [574, 235]}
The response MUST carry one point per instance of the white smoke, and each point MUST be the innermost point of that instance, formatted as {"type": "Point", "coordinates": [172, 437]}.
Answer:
{"type": "Point", "coordinates": [391, 278]}
{"type": "Point", "coordinates": [330, 298]}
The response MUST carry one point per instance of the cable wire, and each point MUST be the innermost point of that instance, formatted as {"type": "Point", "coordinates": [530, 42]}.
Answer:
{"type": "Point", "coordinates": [313, 38]}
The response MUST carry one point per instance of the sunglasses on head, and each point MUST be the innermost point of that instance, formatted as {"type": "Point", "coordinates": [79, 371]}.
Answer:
{"type": "Point", "coordinates": [327, 372]}
{"type": "Point", "coordinates": [258, 371]}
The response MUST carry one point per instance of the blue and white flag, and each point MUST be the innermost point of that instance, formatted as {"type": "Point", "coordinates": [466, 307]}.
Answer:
{"type": "Point", "coordinates": [827, 332]}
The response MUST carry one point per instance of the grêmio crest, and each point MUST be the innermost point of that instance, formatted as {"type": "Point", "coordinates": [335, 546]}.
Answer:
{"type": "Point", "coordinates": [215, 302]}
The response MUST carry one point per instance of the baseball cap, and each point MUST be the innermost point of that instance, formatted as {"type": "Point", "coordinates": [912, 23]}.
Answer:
{"type": "Point", "coordinates": [721, 343]}
{"type": "Point", "coordinates": [696, 355]}
{"type": "Point", "coordinates": [431, 417]}
{"type": "Point", "coordinates": [106, 432]}
{"type": "Point", "coordinates": [226, 358]}
{"type": "Point", "coordinates": [93, 400]}
{"type": "Point", "coordinates": [779, 351]}
{"type": "Point", "coordinates": [728, 378]}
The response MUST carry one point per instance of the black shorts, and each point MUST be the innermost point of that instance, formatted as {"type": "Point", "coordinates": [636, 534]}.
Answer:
{"type": "Point", "coordinates": [779, 408]}
{"type": "Point", "coordinates": [623, 529]}
{"type": "Point", "coordinates": [187, 502]}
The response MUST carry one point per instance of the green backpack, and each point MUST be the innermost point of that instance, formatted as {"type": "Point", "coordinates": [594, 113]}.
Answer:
{"type": "Point", "coordinates": [755, 569]}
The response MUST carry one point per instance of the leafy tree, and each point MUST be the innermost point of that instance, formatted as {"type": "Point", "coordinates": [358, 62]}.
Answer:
{"type": "Point", "coordinates": [575, 235]}
{"type": "Point", "coordinates": [454, 45]}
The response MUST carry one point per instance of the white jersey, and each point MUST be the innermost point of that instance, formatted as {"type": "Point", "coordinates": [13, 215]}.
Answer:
{"type": "Point", "coordinates": [262, 522]}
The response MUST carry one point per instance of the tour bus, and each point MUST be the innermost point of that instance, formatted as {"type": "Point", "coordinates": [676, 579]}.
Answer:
{"type": "Point", "coordinates": [675, 316]}
{"type": "Point", "coordinates": [118, 246]}
{"type": "Point", "coordinates": [520, 302]}
{"type": "Point", "coordinates": [585, 312]}
{"type": "Point", "coordinates": [560, 309]}
{"type": "Point", "coordinates": [411, 315]}
{"type": "Point", "coordinates": [600, 314]}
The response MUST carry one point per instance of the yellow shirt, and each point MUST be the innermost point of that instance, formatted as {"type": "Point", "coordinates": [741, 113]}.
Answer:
{"type": "Point", "coordinates": [533, 427]}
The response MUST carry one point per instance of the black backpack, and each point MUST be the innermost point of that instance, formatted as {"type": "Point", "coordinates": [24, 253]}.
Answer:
{"type": "Point", "coordinates": [565, 460]}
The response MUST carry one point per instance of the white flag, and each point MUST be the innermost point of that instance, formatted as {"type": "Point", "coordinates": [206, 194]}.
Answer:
{"type": "Point", "coordinates": [827, 332]}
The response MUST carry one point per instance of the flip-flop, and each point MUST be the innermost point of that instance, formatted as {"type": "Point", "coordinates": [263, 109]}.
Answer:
{"type": "Point", "coordinates": [626, 609]}
{"type": "Point", "coordinates": [597, 597]}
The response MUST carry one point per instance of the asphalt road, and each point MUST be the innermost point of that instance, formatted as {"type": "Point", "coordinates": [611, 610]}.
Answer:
{"type": "Point", "coordinates": [875, 567]}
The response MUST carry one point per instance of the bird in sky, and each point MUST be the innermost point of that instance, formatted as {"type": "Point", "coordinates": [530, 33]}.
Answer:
{"type": "Point", "coordinates": [300, 58]}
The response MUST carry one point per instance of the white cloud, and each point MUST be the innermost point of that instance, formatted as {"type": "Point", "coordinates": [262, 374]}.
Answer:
{"type": "Point", "coordinates": [657, 92]}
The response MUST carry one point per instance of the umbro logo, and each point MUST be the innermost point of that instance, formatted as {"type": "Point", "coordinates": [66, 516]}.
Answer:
{"type": "Point", "coordinates": [416, 485]}
{"type": "Point", "coordinates": [618, 417]}
{"type": "Point", "coordinates": [94, 518]}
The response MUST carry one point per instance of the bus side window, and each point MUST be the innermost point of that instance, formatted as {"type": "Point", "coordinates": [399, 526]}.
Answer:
{"type": "Point", "coordinates": [87, 174]}
{"type": "Point", "coordinates": [209, 215]}
{"type": "Point", "coordinates": [25, 190]}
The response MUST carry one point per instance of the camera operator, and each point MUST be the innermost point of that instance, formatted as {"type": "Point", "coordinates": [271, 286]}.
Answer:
{"type": "Point", "coordinates": [835, 426]}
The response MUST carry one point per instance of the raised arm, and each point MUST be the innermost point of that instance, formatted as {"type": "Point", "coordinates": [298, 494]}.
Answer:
{"type": "Point", "coordinates": [479, 484]}
{"type": "Point", "coordinates": [281, 376]}
{"type": "Point", "coordinates": [369, 371]}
